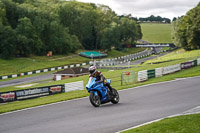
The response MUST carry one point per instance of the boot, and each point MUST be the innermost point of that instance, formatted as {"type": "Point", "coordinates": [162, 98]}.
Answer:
{"type": "Point", "coordinates": [111, 90]}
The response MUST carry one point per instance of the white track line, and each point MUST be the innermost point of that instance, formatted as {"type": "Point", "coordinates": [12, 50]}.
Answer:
{"type": "Point", "coordinates": [41, 106]}
{"type": "Point", "coordinates": [87, 96]}
{"type": "Point", "coordinates": [181, 114]}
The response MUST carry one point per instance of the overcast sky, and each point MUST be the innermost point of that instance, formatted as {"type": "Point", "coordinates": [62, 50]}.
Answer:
{"type": "Point", "coordinates": [145, 8]}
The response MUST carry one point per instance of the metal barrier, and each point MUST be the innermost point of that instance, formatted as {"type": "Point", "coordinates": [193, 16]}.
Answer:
{"type": "Point", "coordinates": [158, 72]}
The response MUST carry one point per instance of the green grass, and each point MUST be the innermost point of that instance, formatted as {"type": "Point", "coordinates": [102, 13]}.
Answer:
{"type": "Point", "coordinates": [156, 33]}
{"type": "Point", "coordinates": [19, 65]}
{"type": "Point", "coordinates": [172, 58]}
{"type": "Point", "coordinates": [115, 53]}
{"type": "Point", "coordinates": [11, 106]}
{"type": "Point", "coordinates": [179, 124]}
{"type": "Point", "coordinates": [177, 56]}
{"type": "Point", "coordinates": [114, 75]}
{"type": "Point", "coordinates": [76, 94]}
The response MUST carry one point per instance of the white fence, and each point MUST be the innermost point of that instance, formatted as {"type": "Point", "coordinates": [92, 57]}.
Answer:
{"type": "Point", "coordinates": [198, 61]}
{"type": "Point", "coordinates": [159, 72]}
{"type": "Point", "coordinates": [171, 69]}
{"type": "Point", "coordinates": [122, 59]}
{"type": "Point", "coordinates": [142, 75]}
{"type": "Point", "coordinates": [74, 86]}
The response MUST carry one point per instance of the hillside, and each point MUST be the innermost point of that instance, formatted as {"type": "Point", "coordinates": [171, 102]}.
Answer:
{"type": "Point", "coordinates": [19, 65]}
{"type": "Point", "coordinates": [35, 27]}
{"type": "Point", "coordinates": [156, 33]}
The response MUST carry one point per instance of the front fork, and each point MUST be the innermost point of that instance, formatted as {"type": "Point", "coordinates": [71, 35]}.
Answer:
{"type": "Point", "coordinates": [95, 93]}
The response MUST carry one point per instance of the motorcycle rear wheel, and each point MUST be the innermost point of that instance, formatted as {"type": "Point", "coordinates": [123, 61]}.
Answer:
{"type": "Point", "coordinates": [95, 100]}
{"type": "Point", "coordinates": [115, 99]}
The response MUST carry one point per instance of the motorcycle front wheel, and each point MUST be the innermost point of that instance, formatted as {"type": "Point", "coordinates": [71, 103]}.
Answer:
{"type": "Point", "coordinates": [95, 100]}
{"type": "Point", "coordinates": [115, 99]}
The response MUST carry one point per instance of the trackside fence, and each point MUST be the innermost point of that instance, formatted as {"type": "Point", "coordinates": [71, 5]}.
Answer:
{"type": "Point", "coordinates": [99, 64]}
{"type": "Point", "coordinates": [121, 60]}
{"type": "Point", "coordinates": [128, 77]}
{"type": "Point", "coordinates": [43, 70]}
{"type": "Point", "coordinates": [158, 72]}
{"type": "Point", "coordinates": [102, 63]}
{"type": "Point", "coordinates": [40, 91]}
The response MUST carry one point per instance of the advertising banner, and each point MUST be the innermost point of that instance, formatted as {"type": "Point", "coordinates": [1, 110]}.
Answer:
{"type": "Point", "coordinates": [149, 45]}
{"type": "Point", "coordinates": [171, 69]}
{"type": "Point", "coordinates": [55, 89]}
{"type": "Point", "coordinates": [151, 73]}
{"type": "Point", "coordinates": [187, 65]}
{"type": "Point", "coordinates": [31, 93]}
{"type": "Point", "coordinates": [7, 96]}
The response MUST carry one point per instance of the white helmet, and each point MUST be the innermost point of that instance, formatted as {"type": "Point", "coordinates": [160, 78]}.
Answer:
{"type": "Point", "coordinates": [92, 70]}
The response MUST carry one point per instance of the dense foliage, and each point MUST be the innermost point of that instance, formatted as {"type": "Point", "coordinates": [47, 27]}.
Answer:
{"type": "Point", "coordinates": [153, 18]}
{"type": "Point", "coordinates": [34, 27]}
{"type": "Point", "coordinates": [186, 30]}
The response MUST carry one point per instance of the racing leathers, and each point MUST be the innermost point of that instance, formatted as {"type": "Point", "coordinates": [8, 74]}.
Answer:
{"type": "Point", "coordinates": [101, 79]}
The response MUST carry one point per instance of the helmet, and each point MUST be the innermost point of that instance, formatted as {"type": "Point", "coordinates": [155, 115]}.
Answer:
{"type": "Point", "coordinates": [92, 70]}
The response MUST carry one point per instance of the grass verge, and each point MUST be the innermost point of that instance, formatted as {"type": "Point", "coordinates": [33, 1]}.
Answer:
{"type": "Point", "coordinates": [179, 124]}
{"type": "Point", "coordinates": [19, 65]}
{"type": "Point", "coordinates": [113, 75]}
{"type": "Point", "coordinates": [11, 106]}
{"type": "Point", "coordinates": [156, 33]}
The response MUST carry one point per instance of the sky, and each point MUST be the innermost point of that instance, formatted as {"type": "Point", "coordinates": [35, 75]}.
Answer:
{"type": "Point", "coordinates": [145, 8]}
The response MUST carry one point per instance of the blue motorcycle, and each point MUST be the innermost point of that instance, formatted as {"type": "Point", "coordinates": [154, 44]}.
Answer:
{"type": "Point", "coordinates": [99, 94]}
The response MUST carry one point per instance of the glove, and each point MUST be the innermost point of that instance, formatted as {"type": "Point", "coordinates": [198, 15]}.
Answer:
{"type": "Point", "coordinates": [98, 82]}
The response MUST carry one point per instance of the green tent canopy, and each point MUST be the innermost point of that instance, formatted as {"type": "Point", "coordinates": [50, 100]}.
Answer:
{"type": "Point", "coordinates": [92, 54]}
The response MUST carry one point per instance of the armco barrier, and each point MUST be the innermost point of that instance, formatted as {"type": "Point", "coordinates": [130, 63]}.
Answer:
{"type": "Point", "coordinates": [122, 59]}
{"type": "Point", "coordinates": [195, 63]}
{"type": "Point", "coordinates": [198, 61]}
{"type": "Point", "coordinates": [7, 96]}
{"type": "Point", "coordinates": [43, 70]}
{"type": "Point", "coordinates": [142, 75]}
{"type": "Point", "coordinates": [159, 72]}
{"type": "Point", "coordinates": [171, 69]}
{"type": "Point", "coordinates": [40, 91]}
{"type": "Point", "coordinates": [187, 65]}
{"type": "Point", "coordinates": [151, 73]}
{"type": "Point", "coordinates": [74, 86]}
{"type": "Point", "coordinates": [30, 93]}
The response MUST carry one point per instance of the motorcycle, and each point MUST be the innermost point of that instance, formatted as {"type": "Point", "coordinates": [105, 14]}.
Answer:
{"type": "Point", "coordinates": [99, 94]}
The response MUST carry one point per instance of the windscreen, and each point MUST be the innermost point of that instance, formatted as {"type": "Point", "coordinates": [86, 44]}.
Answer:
{"type": "Point", "coordinates": [90, 80]}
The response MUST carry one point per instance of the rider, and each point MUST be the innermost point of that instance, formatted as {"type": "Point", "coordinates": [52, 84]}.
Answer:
{"type": "Point", "coordinates": [99, 77]}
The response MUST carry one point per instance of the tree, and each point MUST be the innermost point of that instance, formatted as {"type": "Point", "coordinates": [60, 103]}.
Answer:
{"type": "Point", "coordinates": [3, 19]}
{"type": "Point", "coordinates": [80, 19]}
{"type": "Point", "coordinates": [105, 16]}
{"type": "Point", "coordinates": [186, 30]}
{"type": "Point", "coordinates": [27, 38]}
{"type": "Point", "coordinates": [11, 13]}
{"type": "Point", "coordinates": [7, 42]}
{"type": "Point", "coordinates": [39, 26]}
{"type": "Point", "coordinates": [111, 37]}
{"type": "Point", "coordinates": [153, 18]}
{"type": "Point", "coordinates": [128, 31]}
{"type": "Point", "coordinates": [174, 19]}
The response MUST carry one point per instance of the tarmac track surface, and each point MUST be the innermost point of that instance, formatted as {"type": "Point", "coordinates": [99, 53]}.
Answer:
{"type": "Point", "coordinates": [137, 105]}
{"type": "Point", "coordinates": [25, 80]}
